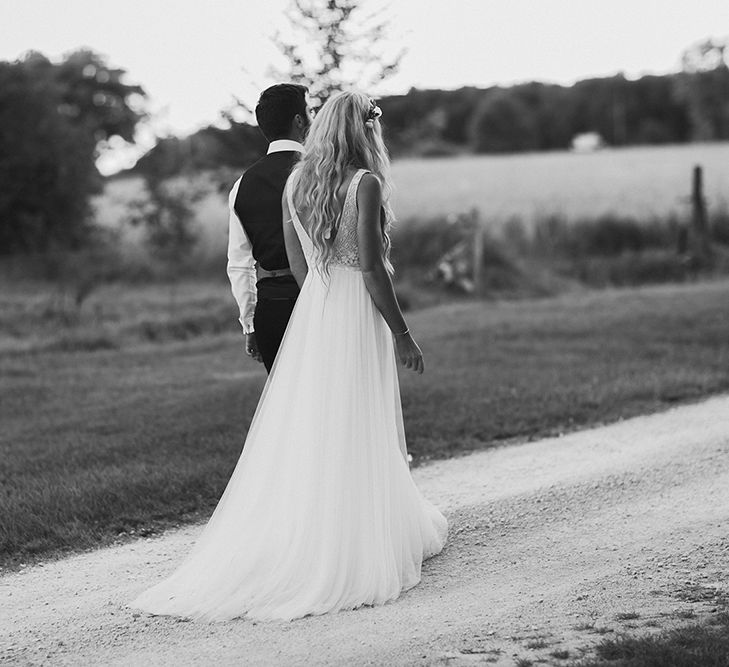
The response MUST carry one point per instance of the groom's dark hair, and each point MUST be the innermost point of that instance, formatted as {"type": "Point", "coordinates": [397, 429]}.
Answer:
{"type": "Point", "coordinates": [277, 107]}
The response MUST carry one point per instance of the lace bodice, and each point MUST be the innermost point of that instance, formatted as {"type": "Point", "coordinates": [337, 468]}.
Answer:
{"type": "Point", "coordinates": [345, 249]}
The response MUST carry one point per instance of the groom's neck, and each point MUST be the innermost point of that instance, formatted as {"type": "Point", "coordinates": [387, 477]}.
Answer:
{"type": "Point", "coordinates": [287, 137]}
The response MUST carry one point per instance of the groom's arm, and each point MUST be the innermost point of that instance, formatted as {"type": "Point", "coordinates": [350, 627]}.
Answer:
{"type": "Point", "coordinates": [241, 266]}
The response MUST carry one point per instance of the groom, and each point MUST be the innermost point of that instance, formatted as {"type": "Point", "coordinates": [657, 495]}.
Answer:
{"type": "Point", "coordinates": [260, 277]}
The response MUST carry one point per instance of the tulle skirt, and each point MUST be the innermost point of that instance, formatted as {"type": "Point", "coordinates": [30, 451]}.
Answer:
{"type": "Point", "coordinates": [321, 512]}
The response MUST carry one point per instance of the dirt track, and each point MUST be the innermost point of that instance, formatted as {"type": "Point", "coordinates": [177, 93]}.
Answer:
{"type": "Point", "coordinates": [552, 544]}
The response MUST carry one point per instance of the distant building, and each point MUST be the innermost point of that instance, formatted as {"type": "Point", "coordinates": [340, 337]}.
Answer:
{"type": "Point", "coordinates": [587, 142]}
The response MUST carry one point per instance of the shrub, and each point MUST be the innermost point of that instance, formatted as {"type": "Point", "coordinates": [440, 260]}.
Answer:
{"type": "Point", "coordinates": [720, 226]}
{"type": "Point", "coordinates": [439, 253]}
{"type": "Point", "coordinates": [419, 244]}
{"type": "Point", "coordinates": [553, 255]}
{"type": "Point", "coordinates": [606, 236]}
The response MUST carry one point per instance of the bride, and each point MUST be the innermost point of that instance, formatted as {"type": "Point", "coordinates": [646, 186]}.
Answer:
{"type": "Point", "coordinates": [321, 512]}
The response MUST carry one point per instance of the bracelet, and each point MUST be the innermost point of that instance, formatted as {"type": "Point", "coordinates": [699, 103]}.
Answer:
{"type": "Point", "coordinates": [404, 332]}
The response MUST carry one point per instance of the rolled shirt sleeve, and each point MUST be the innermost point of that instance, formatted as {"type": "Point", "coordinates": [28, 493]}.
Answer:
{"type": "Point", "coordinates": [241, 265]}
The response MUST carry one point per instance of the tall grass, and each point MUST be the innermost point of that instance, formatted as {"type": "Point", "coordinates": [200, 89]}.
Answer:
{"type": "Point", "coordinates": [555, 253]}
{"type": "Point", "coordinates": [69, 301]}
{"type": "Point", "coordinates": [35, 316]}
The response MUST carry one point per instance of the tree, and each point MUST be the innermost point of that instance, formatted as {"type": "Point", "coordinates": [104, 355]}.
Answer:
{"type": "Point", "coordinates": [210, 148]}
{"type": "Point", "coordinates": [503, 123]}
{"type": "Point", "coordinates": [45, 172]}
{"type": "Point", "coordinates": [706, 55]}
{"type": "Point", "coordinates": [429, 122]}
{"type": "Point", "coordinates": [703, 86]}
{"type": "Point", "coordinates": [333, 44]}
{"type": "Point", "coordinates": [54, 117]}
{"type": "Point", "coordinates": [166, 214]}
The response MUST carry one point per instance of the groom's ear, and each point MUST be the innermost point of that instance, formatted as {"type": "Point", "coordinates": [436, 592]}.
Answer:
{"type": "Point", "coordinates": [299, 126]}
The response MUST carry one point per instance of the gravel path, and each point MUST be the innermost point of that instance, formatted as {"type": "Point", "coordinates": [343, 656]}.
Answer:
{"type": "Point", "coordinates": [553, 544]}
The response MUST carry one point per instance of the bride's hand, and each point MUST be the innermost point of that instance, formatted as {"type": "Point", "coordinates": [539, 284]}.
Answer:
{"type": "Point", "coordinates": [409, 353]}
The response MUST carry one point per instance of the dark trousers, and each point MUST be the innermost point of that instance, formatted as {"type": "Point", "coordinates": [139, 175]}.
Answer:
{"type": "Point", "coordinates": [269, 322]}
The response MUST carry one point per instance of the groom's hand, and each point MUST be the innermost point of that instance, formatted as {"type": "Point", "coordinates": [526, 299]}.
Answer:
{"type": "Point", "coordinates": [252, 347]}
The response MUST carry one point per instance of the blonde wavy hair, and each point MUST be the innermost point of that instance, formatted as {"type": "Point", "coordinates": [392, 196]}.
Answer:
{"type": "Point", "coordinates": [343, 136]}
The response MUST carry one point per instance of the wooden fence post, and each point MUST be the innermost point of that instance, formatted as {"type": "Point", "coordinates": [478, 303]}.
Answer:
{"type": "Point", "coordinates": [700, 242]}
{"type": "Point", "coordinates": [477, 254]}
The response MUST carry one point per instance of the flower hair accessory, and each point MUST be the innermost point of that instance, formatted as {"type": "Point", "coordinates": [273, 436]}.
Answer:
{"type": "Point", "coordinates": [373, 113]}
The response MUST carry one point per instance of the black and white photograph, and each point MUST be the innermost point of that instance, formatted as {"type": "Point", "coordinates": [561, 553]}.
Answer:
{"type": "Point", "coordinates": [364, 333]}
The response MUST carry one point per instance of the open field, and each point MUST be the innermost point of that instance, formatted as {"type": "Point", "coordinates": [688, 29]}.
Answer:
{"type": "Point", "coordinates": [643, 182]}
{"type": "Point", "coordinates": [100, 443]}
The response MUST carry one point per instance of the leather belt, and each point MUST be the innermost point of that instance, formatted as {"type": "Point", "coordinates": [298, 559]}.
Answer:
{"type": "Point", "coordinates": [276, 273]}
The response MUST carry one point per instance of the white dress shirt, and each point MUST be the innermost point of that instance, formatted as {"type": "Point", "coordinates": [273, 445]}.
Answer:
{"type": "Point", "coordinates": [241, 265]}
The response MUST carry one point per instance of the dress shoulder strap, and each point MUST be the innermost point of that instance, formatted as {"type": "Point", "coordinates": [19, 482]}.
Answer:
{"type": "Point", "coordinates": [355, 181]}
{"type": "Point", "coordinates": [290, 198]}
{"type": "Point", "coordinates": [350, 200]}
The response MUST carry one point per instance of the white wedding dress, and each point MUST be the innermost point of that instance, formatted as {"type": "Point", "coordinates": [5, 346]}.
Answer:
{"type": "Point", "coordinates": [321, 513]}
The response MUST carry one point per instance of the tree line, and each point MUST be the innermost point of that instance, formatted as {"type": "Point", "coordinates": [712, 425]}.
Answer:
{"type": "Point", "coordinates": [534, 116]}
{"type": "Point", "coordinates": [676, 108]}
{"type": "Point", "coordinates": [56, 117]}
{"type": "Point", "coordinates": [334, 39]}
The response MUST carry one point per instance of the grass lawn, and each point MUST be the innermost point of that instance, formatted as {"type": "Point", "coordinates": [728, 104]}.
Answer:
{"type": "Point", "coordinates": [98, 443]}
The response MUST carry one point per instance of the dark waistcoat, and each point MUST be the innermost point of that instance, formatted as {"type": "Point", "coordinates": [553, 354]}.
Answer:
{"type": "Point", "coordinates": [258, 207]}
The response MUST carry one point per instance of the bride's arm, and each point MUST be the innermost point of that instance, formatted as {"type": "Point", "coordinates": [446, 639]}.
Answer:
{"type": "Point", "coordinates": [297, 261]}
{"type": "Point", "coordinates": [375, 274]}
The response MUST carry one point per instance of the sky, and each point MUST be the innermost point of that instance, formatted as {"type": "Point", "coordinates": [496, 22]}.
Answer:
{"type": "Point", "coordinates": [194, 57]}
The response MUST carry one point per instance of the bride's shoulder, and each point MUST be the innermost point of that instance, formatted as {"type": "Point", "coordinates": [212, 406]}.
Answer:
{"type": "Point", "coordinates": [370, 183]}
{"type": "Point", "coordinates": [369, 190]}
